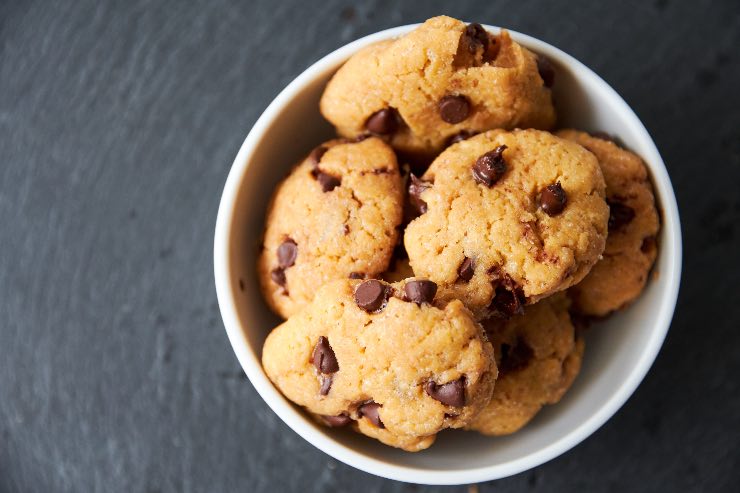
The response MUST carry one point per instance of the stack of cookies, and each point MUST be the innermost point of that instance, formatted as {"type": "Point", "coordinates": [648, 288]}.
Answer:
{"type": "Point", "coordinates": [430, 262]}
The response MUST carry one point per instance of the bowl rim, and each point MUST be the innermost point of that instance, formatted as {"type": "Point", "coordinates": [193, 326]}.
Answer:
{"type": "Point", "coordinates": [251, 363]}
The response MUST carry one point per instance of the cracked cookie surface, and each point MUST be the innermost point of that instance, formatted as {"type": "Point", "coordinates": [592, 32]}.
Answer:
{"type": "Point", "coordinates": [335, 216]}
{"type": "Point", "coordinates": [510, 218]}
{"type": "Point", "coordinates": [399, 366]}
{"type": "Point", "coordinates": [539, 356]}
{"type": "Point", "coordinates": [631, 246]}
{"type": "Point", "coordinates": [441, 80]}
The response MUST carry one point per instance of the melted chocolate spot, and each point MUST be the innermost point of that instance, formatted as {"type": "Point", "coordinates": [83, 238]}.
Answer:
{"type": "Point", "coordinates": [477, 37]}
{"type": "Point", "coordinates": [416, 187]}
{"type": "Point", "coordinates": [466, 270]}
{"type": "Point", "coordinates": [317, 154]}
{"type": "Point", "coordinates": [327, 181]}
{"type": "Point", "coordinates": [620, 215]}
{"type": "Point", "coordinates": [326, 381]}
{"type": "Point", "coordinates": [287, 253]}
{"type": "Point", "coordinates": [516, 357]}
{"type": "Point", "coordinates": [508, 300]}
{"type": "Point", "coordinates": [337, 421]}
{"type": "Point", "coordinates": [278, 276]}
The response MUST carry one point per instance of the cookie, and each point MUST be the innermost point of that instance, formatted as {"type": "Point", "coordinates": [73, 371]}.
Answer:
{"type": "Point", "coordinates": [631, 246]}
{"type": "Point", "coordinates": [538, 355]}
{"type": "Point", "coordinates": [507, 218]}
{"type": "Point", "coordinates": [441, 82]}
{"type": "Point", "coordinates": [384, 359]}
{"type": "Point", "coordinates": [335, 216]}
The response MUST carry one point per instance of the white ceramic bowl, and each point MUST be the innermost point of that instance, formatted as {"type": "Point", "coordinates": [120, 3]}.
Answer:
{"type": "Point", "coordinates": [618, 353]}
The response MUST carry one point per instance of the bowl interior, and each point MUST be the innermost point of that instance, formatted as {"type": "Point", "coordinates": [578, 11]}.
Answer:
{"type": "Point", "coordinates": [618, 352]}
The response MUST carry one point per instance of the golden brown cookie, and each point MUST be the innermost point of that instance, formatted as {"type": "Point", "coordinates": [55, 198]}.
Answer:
{"type": "Point", "coordinates": [335, 216]}
{"type": "Point", "coordinates": [631, 247]}
{"type": "Point", "coordinates": [384, 359]}
{"type": "Point", "coordinates": [538, 355]}
{"type": "Point", "coordinates": [443, 81]}
{"type": "Point", "coordinates": [507, 218]}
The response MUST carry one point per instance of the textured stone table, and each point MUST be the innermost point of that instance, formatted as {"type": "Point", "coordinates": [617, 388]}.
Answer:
{"type": "Point", "coordinates": [118, 124]}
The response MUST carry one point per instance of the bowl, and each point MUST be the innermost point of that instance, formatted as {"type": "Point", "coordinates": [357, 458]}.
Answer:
{"type": "Point", "coordinates": [619, 351]}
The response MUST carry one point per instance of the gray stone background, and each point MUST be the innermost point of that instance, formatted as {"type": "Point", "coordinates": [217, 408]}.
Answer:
{"type": "Point", "coordinates": [118, 124]}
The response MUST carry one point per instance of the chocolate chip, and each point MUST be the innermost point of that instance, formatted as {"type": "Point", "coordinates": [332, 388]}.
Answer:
{"type": "Point", "coordinates": [466, 270]}
{"type": "Point", "coordinates": [326, 381]}
{"type": "Point", "coordinates": [416, 187]}
{"type": "Point", "coordinates": [345, 229]}
{"type": "Point", "coordinates": [449, 394]}
{"type": "Point", "coordinates": [327, 181]}
{"type": "Point", "coordinates": [356, 275]}
{"type": "Point", "coordinates": [278, 276]}
{"type": "Point", "coordinates": [490, 167]}
{"type": "Point", "coordinates": [287, 253]}
{"type": "Point", "coordinates": [460, 136]}
{"type": "Point", "coordinates": [337, 421]}
{"type": "Point", "coordinates": [371, 410]}
{"type": "Point", "coordinates": [453, 108]}
{"type": "Point", "coordinates": [516, 357]}
{"type": "Point", "coordinates": [359, 138]}
{"type": "Point", "coordinates": [420, 291]}
{"type": "Point", "coordinates": [371, 295]}
{"type": "Point", "coordinates": [477, 37]}
{"type": "Point", "coordinates": [507, 301]}
{"type": "Point", "coordinates": [383, 122]}
{"type": "Point", "coordinates": [323, 357]}
{"type": "Point", "coordinates": [648, 244]}
{"type": "Point", "coordinates": [546, 70]}
{"type": "Point", "coordinates": [553, 199]}
{"type": "Point", "coordinates": [620, 215]}
{"type": "Point", "coordinates": [317, 154]}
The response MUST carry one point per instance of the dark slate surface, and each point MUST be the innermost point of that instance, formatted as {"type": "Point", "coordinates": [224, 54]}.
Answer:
{"type": "Point", "coordinates": [118, 124]}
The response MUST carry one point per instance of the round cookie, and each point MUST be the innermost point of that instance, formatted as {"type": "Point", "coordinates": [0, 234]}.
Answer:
{"type": "Point", "coordinates": [384, 359]}
{"type": "Point", "coordinates": [631, 247]}
{"type": "Point", "coordinates": [442, 81]}
{"type": "Point", "coordinates": [335, 216]}
{"type": "Point", "coordinates": [538, 355]}
{"type": "Point", "coordinates": [508, 218]}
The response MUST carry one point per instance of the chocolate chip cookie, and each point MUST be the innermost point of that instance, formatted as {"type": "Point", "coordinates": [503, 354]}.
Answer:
{"type": "Point", "coordinates": [538, 355]}
{"type": "Point", "coordinates": [507, 218]}
{"type": "Point", "coordinates": [335, 216]}
{"type": "Point", "coordinates": [631, 247]}
{"type": "Point", "coordinates": [386, 359]}
{"type": "Point", "coordinates": [440, 83]}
